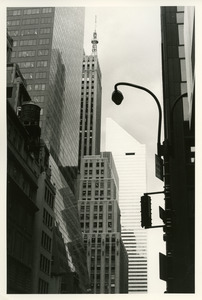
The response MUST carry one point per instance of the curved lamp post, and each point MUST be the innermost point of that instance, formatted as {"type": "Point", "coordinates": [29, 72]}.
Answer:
{"type": "Point", "coordinates": [117, 98]}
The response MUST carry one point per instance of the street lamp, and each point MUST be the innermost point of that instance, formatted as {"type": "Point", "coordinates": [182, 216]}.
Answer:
{"type": "Point", "coordinates": [117, 98]}
{"type": "Point", "coordinates": [163, 172]}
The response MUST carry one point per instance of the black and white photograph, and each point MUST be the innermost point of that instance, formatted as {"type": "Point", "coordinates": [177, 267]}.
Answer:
{"type": "Point", "coordinates": [98, 153]}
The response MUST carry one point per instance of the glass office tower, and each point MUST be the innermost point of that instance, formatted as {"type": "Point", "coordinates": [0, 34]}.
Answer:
{"type": "Point", "coordinates": [48, 46]}
{"type": "Point", "coordinates": [130, 160]}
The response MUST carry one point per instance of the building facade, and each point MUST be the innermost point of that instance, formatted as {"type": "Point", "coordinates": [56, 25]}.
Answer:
{"type": "Point", "coordinates": [130, 159]}
{"type": "Point", "coordinates": [22, 183]}
{"type": "Point", "coordinates": [177, 267]}
{"type": "Point", "coordinates": [90, 113]}
{"type": "Point", "coordinates": [30, 194]}
{"type": "Point", "coordinates": [48, 46]}
{"type": "Point", "coordinates": [98, 190]}
{"type": "Point", "coordinates": [100, 223]}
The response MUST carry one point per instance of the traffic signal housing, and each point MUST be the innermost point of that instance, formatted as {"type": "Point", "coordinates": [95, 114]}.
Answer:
{"type": "Point", "coordinates": [146, 211]}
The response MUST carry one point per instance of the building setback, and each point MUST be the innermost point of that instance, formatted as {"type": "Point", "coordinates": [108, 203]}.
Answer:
{"type": "Point", "coordinates": [100, 222]}
{"type": "Point", "coordinates": [48, 46]}
{"type": "Point", "coordinates": [130, 159]}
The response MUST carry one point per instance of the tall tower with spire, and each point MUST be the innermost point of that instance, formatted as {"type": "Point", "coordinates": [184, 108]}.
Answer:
{"type": "Point", "coordinates": [90, 111]}
{"type": "Point", "coordinates": [98, 190]}
{"type": "Point", "coordinates": [94, 40]}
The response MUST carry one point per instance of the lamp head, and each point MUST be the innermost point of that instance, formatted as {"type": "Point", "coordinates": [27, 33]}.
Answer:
{"type": "Point", "coordinates": [117, 97]}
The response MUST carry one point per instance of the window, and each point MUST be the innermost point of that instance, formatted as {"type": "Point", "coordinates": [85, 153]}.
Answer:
{"type": "Point", "coordinates": [41, 112]}
{"type": "Point", "coordinates": [47, 219]}
{"type": "Point", "coordinates": [30, 21]}
{"type": "Point", "coordinates": [42, 287]}
{"type": "Point", "coordinates": [13, 54]}
{"type": "Point", "coordinates": [44, 41]}
{"type": "Point", "coordinates": [28, 75]}
{"type": "Point", "coordinates": [49, 196]}
{"type": "Point", "coordinates": [28, 64]}
{"type": "Point", "coordinates": [46, 241]}
{"type": "Point", "coordinates": [29, 32]}
{"type": "Point", "coordinates": [27, 42]}
{"type": "Point", "coordinates": [41, 75]}
{"type": "Point", "coordinates": [14, 12]}
{"type": "Point", "coordinates": [38, 99]}
{"type": "Point", "coordinates": [13, 23]}
{"type": "Point", "coordinates": [183, 87]}
{"type": "Point", "coordinates": [44, 264]}
{"type": "Point", "coordinates": [42, 63]}
{"type": "Point", "coordinates": [46, 10]}
{"type": "Point", "coordinates": [32, 11]}
{"type": "Point", "coordinates": [40, 87]}
{"type": "Point", "coordinates": [46, 20]}
{"type": "Point", "coordinates": [45, 30]}
{"type": "Point", "coordinates": [181, 51]}
{"type": "Point", "coordinates": [15, 43]}
{"type": "Point", "coordinates": [180, 17]}
{"type": "Point", "coordinates": [183, 69]}
{"type": "Point", "coordinates": [26, 53]}
{"type": "Point", "coordinates": [13, 32]}
{"type": "Point", "coordinates": [43, 52]}
{"type": "Point", "coordinates": [29, 87]}
{"type": "Point", "coordinates": [181, 34]}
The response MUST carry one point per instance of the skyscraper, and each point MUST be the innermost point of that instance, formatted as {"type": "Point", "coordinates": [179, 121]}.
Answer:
{"type": "Point", "coordinates": [48, 46]}
{"type": "Point", "coordinates": [98, 190]}
{"type": "Point", "coordinates": [177, 267]}
{"type": "Point", "coordinates": [130, 160]}
{"type": "Point", "coordinates": [90, 113]}
{"type": "Point", "coordinates": [100, 222]}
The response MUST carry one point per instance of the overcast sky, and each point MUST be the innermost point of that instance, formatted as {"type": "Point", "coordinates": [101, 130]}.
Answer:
{"type": "Point", "coordinates": [129, 50]}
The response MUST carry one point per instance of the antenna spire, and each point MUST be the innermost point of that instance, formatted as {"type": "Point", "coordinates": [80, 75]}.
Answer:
{"type": "Point", "coordinates": [94, 40]}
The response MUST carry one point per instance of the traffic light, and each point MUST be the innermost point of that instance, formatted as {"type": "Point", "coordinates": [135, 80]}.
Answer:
{"type": "Point", "coordinates": [146, 211]}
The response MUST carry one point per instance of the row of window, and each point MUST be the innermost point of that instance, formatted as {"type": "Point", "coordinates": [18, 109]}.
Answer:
{"type": "Point", "coordinates": [18, 175]}
{"type": "Point", "coordinates": [87, 87]}
{"type": "Point", "coordinates": [47, 219]}
{"type": "Point", "coordinates": [31, 64]}
{"type": "Point", "coordinates": [25, 32]}
{"type": "Point", "coordinates": [37, 87]}
{"type": "Point", "coordinates": [38, 99]}
{"type": "Point", "coordinates": [46, 241]}
{"type": "Point", "coordinates": [97, 208]}
{"type": "Point", "coordinates": [30, 11]}
{"type": "Point", "coordinates": [97, 172]}
{"type": "Point", "coordinates": [31, 42]}
{"type": "Point", "coordinates": [90, 164]}
{"type": "Point", "coordinates": [49, 197]}
{"type": "Point", "coordinates": [98, 183]}
{"type": "Point", "coordinates": [38, 75]}
{"type": "Point", "coordinates": [42, 286]}
{"type": "Point", "coordinates": [42, 52]}
{"type": "Point", "coordinates": [97, 193]}
{"type": "Point", "coordinates": [31, 21]}
{"type": "Point", "coordinates": [44, 264]}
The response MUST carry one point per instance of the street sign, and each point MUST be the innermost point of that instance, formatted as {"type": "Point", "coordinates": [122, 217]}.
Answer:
{"type": "Point", "coordinates": [159, 167]}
